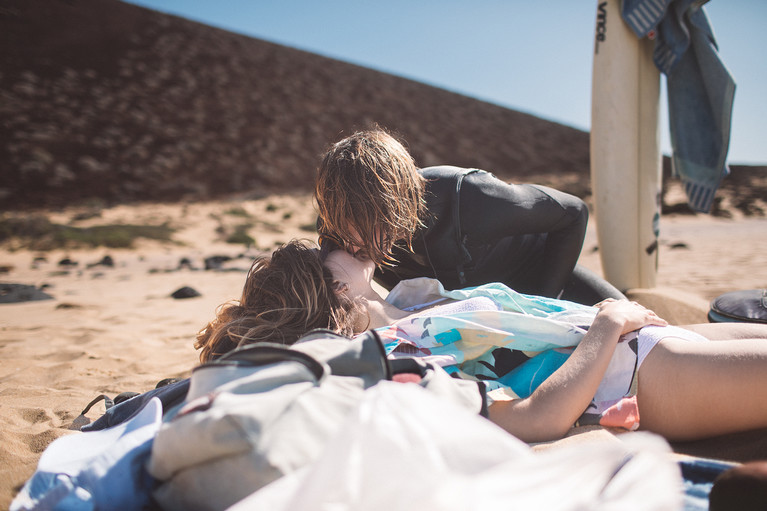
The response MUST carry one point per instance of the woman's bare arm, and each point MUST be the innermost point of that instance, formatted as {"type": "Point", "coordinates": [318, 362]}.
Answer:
{"type": "Point", "coordinates": [557, 403]}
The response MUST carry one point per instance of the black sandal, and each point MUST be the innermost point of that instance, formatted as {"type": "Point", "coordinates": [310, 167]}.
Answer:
{"type": "Point", "coordinates": [748, 306]}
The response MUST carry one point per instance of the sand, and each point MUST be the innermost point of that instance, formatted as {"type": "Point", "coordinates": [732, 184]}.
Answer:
{"type": "Point", "coordinates": [113, 329]}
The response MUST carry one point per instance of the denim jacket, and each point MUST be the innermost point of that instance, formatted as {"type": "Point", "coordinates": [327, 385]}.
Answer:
{"type": "Point", "coordinates": [700, 91]}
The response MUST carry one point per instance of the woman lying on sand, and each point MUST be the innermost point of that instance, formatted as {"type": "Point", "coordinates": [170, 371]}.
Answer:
{"type": "Point", "coordinates": [547, 364]}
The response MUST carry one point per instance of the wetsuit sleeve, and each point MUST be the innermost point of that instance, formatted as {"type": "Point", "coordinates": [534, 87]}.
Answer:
{"type": "Point", "coordinates": [492, 209]}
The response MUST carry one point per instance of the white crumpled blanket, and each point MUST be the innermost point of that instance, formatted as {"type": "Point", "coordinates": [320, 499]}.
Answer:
{"type": "Point", "coordinates": [405, 449]}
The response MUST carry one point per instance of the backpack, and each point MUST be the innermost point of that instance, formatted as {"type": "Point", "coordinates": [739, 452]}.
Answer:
{"type": "Point", "coordinates": [267, 410]}
{"type": "Point", "coordinates": [238, 423]}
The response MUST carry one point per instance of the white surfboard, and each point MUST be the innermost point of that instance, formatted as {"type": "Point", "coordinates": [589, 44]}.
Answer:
{"type": "Point", "coordinates": [625, 150]}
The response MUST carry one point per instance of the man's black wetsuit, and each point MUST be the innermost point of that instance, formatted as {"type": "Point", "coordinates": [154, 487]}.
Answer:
{"type": "Point", "coordinates": [480, 229]}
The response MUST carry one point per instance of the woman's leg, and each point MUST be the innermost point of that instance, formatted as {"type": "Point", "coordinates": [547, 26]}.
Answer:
{"type": "Point", "coordinates": [690, 390]}
{"type": "Point", "coordinates": [730, 331]}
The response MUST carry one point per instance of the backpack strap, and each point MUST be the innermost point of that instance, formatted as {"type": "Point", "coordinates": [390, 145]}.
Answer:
{"type": "Point", "coordinates": [127, 405]}
{"type": "Point", "coordinates": [263, 354]}
{"type": "Point", "coordinates": [108, 403]}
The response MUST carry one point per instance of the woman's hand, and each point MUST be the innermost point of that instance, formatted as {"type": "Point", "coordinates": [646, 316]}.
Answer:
{"type": "Point", "coordinates": [630, 315]}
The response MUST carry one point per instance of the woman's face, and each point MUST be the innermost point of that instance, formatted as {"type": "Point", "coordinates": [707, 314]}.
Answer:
{"type": "Point", "coordinates": [357, 248]}
{"type": "Point", "coordinates": [354, 272]}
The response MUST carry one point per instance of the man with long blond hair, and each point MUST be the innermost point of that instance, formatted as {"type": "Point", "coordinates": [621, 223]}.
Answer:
{"type": "Point", "coordinates": [463, 227]}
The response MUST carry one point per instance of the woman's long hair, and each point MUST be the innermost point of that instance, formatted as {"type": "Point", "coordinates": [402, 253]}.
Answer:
{"type": "Point", "coordinates": [368, 190]}
{"type": "Point", "coordinates": [284, 297]}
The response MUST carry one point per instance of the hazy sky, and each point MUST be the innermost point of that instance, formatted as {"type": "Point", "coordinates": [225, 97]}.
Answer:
{"type": "Point", "coordinates": [535, 57]}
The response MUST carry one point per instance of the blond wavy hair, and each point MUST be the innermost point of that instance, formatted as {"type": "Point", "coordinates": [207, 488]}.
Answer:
{"type": "Point", "coordinates": [369, 194]}
{"type": "Point", "coordinates": [285, 296]}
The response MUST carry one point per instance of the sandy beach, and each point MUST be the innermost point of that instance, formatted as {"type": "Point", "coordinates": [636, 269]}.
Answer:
{"type": "Point", "coordinates": [108, 329]}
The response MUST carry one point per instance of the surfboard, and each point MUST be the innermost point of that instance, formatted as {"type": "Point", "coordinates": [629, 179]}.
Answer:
{"type": "Point", "coordinates": [625, 150]}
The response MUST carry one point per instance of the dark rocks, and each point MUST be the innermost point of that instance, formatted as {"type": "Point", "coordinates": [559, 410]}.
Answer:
{"type": "Point", "coordinates": [216, 262]}
{"type": "Point", "coordinates": [68, 263]}
{"type": "Point", "coordinates": [106, 261]}
{"type": "Point", "coordinates": [186, 264]}
{"type": "Point", "coordinates": [68, 305]}
{"type": "Point", "coordinates": [16, 293]}
{"type": "Point", "coordinates": [185, 292]}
